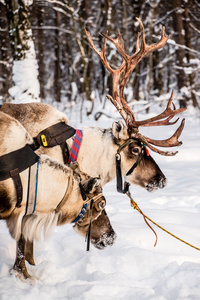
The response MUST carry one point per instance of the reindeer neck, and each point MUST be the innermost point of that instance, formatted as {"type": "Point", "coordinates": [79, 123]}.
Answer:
{"type": "Point", "coordinates": [97, 153]}
{"type": "Point", "coordinates": [64, 193]}
{"type": "Point", "coordinates": [70, 205]}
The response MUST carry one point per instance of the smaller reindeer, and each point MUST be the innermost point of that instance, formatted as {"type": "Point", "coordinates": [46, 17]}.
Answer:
{"type": "Point", "coordinates": [60, 194]}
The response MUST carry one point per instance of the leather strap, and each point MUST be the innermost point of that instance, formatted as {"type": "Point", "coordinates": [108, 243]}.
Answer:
{"type": "Point", "coordinates": [55, 135]}
{"type": "Point", "coordinates": [14, 174]}
{"type": "Point", "coordinates": [15, 162]}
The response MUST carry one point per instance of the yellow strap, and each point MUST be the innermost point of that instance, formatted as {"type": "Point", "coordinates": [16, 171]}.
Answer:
{"type": "Point", "coordinates": [135, 206]}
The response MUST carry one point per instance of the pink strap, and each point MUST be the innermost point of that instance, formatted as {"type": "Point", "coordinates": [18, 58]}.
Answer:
{"type": "Point", "coordinates": [75, 146]}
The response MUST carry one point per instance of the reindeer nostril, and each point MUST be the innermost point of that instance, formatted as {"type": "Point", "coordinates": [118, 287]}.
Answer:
{"type": "Point", "coordinates": [162, 182]}
{"type": "Point", "coordinates": [155, 183]}
{"type": "Point", "coordinates": [106, 240]}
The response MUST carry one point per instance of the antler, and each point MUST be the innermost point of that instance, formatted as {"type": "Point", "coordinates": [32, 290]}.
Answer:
{"type": "Point", "coordinates": [125, 69]}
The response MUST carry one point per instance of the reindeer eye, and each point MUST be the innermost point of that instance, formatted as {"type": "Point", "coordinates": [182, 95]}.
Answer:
{"type": "Point", "coordinates": [102, 204]}
{"type": "Point", "coordinates": [135, 150]}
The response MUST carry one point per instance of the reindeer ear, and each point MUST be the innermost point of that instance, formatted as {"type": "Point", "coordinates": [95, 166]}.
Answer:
{"type": "Point", "coordinates": [91, 184]}
{"type": "Point", "coordinates": [119, 131]}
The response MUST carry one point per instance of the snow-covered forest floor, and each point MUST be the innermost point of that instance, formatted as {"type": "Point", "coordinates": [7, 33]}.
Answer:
{"type": "Point", "coordinates": [132, 268]}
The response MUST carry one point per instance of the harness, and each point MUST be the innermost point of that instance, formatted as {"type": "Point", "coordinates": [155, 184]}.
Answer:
{"type": "Point", "coordinates": [15, 162]}
{"type": "Point", "coordinates": [125, 189]}
{"type": "Point", "coordinates": [54, 135]}
{"type": "Point", "coordinates": [82, 213]}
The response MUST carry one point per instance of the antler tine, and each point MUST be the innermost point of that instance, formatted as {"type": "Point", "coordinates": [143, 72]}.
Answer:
{"type": "Point", "coordinates": [145, 49]}
{"type": "Point", "coordinates": [168, 113]}
{"type": "Point", "coordinates": [100, 53]}
{"type": "Point", "coordinates": [171, 142]}
{"type": "Point", "coordinates": [119, 44]}
{"type": "Point", "coordinates": [137, 43]}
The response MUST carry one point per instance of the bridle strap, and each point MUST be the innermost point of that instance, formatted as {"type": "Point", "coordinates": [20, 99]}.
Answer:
{"type": "Point", "coordinates": [81, 214]}
{"type": "Point", "coordinates": [125, 189]}
{"type": "Point", "coordinates": [89, 228]}
{"type": "Point", "coordinates": [137, 162]}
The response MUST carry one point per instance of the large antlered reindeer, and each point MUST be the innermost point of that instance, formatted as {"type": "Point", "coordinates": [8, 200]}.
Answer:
{"type": "Point", "coordinates": [132, 130]}
{"type": "Point", "coordinates": [117, 151]}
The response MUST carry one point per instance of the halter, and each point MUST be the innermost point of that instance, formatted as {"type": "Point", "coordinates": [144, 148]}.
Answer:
{"type": "Point", "coordinates": [82, 213]}
{"type": "Point", "coordinates": [125, 189]}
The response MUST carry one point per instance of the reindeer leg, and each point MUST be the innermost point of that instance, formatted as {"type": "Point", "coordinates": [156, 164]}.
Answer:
{"type": "Point", "coordinates": [29, 252]}
{"type": "Point", "coordinates": [19, 265]}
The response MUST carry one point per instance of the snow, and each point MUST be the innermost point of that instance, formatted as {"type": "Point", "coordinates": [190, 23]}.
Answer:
{"type": "Point", "coordinates": [25, 76]}
{"type": "Point", "coordinates": [132, 268]}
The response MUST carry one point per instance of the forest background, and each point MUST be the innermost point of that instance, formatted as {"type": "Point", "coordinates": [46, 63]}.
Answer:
{"type": "Point", "coordinates": [68, 71]}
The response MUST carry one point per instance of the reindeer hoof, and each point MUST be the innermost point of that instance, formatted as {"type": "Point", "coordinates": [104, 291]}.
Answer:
{"type": "Point", "coordinates": [23, 275]}
{"type": "Point", "coordinates": [30, 260]}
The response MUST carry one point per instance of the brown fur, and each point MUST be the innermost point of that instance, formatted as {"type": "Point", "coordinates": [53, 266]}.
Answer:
{"type": "Point", "coordinates": [5, 203]}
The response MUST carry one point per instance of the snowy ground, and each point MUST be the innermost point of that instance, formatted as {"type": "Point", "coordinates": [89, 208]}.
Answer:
{"type": "Point", "coordinates": [132, 268]}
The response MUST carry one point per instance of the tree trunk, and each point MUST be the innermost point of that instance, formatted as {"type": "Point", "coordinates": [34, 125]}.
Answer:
{"type": "Point", "coordinates": [5, 57]}
{"type": "Point", "coordinates": [57, 60]}
{"type": "Point", "coordinates": [37, 20]}
{"type": "Point", "coordinates": [25, 68]}
{"type": "Point", "coordinates": [19, 25]}
{"type": "Point", "coordinates": [182, 81]}
{"type": "Point", "coordinates": [189, 56]}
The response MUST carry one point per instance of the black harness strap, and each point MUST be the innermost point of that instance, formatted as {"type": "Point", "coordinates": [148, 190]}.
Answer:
{"type": "Point", "coordinates": [15, 162]}
{"type": "Point", "coordinates": [14, 174]}
{"type": "Point", "coordinates": [123, 190]}
{"type": "Point", "coordinates": [89, 228]}
{"type": "Point", "coordinates": [54, 135]}
{"type": "Point", "coordinates": [65, 152]}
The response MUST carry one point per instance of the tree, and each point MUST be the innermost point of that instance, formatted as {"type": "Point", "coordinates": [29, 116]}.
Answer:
{"type": "Point", "coordinates": [6, 58]}
{"type": "Point", "coordinates": [26, 85]}
{"type": "Point", "coordinates": [69, 71]}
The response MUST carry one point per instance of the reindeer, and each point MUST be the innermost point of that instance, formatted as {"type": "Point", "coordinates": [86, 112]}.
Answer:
{"type": "Point", "coordinates": [118, 151]}
{"type": "Point", "coordinates": [62, 193]}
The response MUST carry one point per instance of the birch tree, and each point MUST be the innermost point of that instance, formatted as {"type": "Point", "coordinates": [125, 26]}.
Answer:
{"type": "Point", "coordinates": [25, 69]}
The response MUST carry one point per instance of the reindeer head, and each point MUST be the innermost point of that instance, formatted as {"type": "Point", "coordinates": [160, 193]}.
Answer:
{"type": "Point", "coordinates": [131, 143]}
{"type": "Point", "coordinates": [102, 233]}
